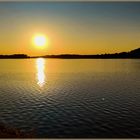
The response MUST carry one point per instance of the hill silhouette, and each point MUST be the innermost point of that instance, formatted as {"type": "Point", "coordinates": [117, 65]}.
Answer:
{"type": "Point", "coordinates": [131, 54]}
{"type": "Point", "coordinates": [14, 56]}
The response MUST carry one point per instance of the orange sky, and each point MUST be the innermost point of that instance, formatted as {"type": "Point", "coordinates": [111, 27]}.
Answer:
{"type": "Point", "coordinates": [79, 28]}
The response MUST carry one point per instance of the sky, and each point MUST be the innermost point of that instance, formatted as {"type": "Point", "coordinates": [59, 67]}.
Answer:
{"type": "Point", "coordinates": [70, 27]}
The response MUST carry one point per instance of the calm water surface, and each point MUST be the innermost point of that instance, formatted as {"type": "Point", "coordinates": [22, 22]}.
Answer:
{"type": "Point", "coordinates": [71, 98]}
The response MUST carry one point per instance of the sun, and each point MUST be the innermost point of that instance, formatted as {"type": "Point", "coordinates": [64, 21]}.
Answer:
{"type": "Point", "coordinates": [40, 40]}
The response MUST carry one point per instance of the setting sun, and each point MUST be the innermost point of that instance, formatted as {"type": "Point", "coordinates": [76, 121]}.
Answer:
{"type": "Point", "coordinates": [40, 40]}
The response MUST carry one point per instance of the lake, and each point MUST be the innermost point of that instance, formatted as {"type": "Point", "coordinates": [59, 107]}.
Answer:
{"type": "Point", "coordinates": [71, 98]}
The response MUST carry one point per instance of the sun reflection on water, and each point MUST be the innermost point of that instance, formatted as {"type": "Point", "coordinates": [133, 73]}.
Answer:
{"type": "Point", "coordinates": [40, 65]}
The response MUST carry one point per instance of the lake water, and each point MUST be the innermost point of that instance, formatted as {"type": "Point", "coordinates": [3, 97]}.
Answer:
{"type": "Point", "coordinates": [77, 98]}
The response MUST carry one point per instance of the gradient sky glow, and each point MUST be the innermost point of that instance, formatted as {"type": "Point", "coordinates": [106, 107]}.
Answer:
{"type": "Point", "coordinates": [71, 27]}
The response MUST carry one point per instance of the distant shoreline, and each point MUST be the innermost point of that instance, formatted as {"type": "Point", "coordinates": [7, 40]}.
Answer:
{"type": "Point", "coordinates": [134, 54]}
{"type": "Point", "coordinates": [64, 58]}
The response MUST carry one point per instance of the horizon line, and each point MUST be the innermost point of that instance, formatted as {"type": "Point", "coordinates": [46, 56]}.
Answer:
{"type": "Point", "coordinates": [66, 54]}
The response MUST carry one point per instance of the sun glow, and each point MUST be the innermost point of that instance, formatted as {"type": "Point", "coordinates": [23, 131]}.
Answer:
{"type": "Point", "coordinates": [40, 40]}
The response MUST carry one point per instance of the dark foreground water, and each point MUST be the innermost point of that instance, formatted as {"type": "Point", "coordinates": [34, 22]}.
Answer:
{"type": "Point", "coordinates": [71, 98]}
